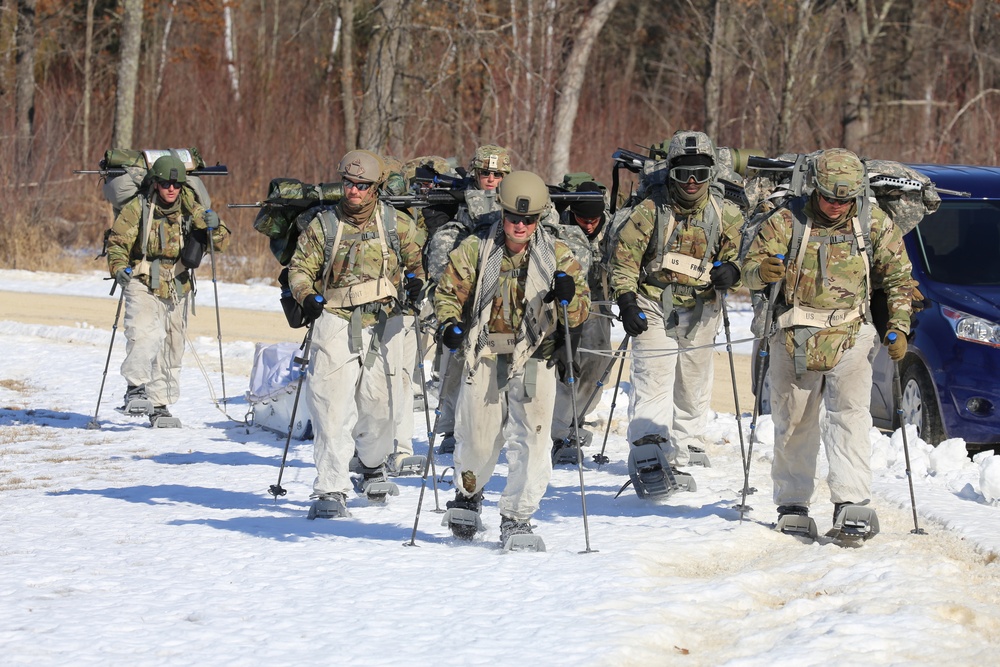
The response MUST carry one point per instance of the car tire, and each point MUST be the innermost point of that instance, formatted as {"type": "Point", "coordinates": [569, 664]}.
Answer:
{"type": "Point", "coordinates": [918, 403]}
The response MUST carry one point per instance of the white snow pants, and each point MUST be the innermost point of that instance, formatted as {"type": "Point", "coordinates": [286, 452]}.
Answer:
{"type": "Point", "coordinates": [487, 418]}
{"type": "Point", "coordinates": [671, 379]}
{"type": "Point", "coordinates": [596, 335]}
{"type": "Point", "coordinates": [845, 392]}
{"type": "Point", "coordinates": [352, 407]}
{"type": "Point", "coordinates": [409, 380]}
{"type": "Point", "coordinates": [154, 347]}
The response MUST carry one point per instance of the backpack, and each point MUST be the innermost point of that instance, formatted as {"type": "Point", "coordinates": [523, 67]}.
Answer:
{"type": "Point", "coordinates": [774, 189]}
{"type": "Point", "coordinates": [122, 188]}
{"type": "Point", "coordinates": [288, 209]}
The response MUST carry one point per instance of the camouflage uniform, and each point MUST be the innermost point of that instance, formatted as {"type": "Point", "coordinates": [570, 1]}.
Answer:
{"type": "Point", "coordinates": [830, 277]}
{"type": "Point", "coordinates": [595, 333]}
{"type": "Point", "coordinates": [156, 299]}
{"type": "Point", "coordinates": [672, 362]}
{"type": "Point", "coordinates": [505, 399]}
{"type": "Point", "coordinates": [353, 384]}
{"type": "Point", "coordinates": [480, 209]}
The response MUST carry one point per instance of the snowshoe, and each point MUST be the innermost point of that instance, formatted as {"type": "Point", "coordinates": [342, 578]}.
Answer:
{"type": "Point", "coordinates": [794, 520]}
{"type": "Point", "coordinates": [648, 470]}
{"type": "Point", "coordinates": [565, 451]}
{"type": "Point", "coordinates": [462, 515]}
{"type": "Point", "coordinates": [161, 418]}
{"type": "Point", "coordinates": [853, 524]}
{"type": "Point", "coordinates": [516, 535]}
{"type": "Point", "coordinates": [329, 506]}
{"type": "Point", "coordinates": [698, 457]}
{"type": "Point", "coordinates": [447, 445]}
{"type": "Point", "coordinates": [400, 464]}
{"type": "Point", "coordinates": [374, 484]}
{"type": "Point", "coordinates": [136, 403]}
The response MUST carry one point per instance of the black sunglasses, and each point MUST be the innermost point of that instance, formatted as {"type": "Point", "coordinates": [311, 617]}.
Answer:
{"type": "Point", "coordinates": [170, 184]}
{"type": "Point", "coordinates": [494, 174]}
{"type": "Point", "coordinates": [515, 219]}
{"type": "Point", "coordinates": [835, 201]}
{"type": "Point", "coordinates": [360, 187]}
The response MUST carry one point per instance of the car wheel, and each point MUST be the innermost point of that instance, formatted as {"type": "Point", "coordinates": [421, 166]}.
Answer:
{"type": "Point", "coordinates": [919, 404]}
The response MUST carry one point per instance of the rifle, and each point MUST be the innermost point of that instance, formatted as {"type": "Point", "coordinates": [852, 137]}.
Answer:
{"type": "Point", "coordinates": [216, 170]}
{"type": "Point", "coordinates": [636, 163]}
{"type": "Point", "coordinates": [429, 198]}
{"type": "Point", "coordinates": [876, 180]}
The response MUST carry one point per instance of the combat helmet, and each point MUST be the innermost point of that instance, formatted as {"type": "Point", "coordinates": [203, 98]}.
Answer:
{"type": "Point", "coordinates": [362, 167]}
{"type": "Point", "coordinates": [491, 158]}
{"type": "Point", "coordinates": [838, 174]}
{"type": "Point", "coordinates": [523, 193]}
{"type": "Point", "coordinates": [168, 168]}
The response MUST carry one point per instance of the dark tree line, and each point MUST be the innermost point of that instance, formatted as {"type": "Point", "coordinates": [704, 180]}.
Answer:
{"type": "Point", "coordinates": [285, 87]}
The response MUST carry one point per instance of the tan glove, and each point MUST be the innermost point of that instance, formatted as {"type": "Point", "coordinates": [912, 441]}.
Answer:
{"type": "Point", "coordinates": [895, 340]}
{"type": "Point", "coordinates": [771, 270]}
{"type": "Point", "coordinates": [917, 300]}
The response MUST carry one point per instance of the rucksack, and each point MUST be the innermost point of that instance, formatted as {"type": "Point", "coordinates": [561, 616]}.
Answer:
{"type": "Point", "coordinates": [122, 188]}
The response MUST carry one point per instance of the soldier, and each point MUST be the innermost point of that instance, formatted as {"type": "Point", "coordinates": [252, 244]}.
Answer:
{"type": "Point", "coordinates": [155, 242]}
{"type": "Point", "coordinates": [498, 300]}
{"type": "Point", "coordinates": [354, 297]}
{"type": "Point", "coordinates": [590, 217]}
{"type": "Point", "coordinates": [668, 291]}
{"type": "Point", "coordinates": [820, 349]}
{"type": "Point", "coordinates": [489, 166]}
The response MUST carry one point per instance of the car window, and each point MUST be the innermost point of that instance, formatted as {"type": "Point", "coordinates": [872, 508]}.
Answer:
{"type": "Point", "coordinates": [961, 243]}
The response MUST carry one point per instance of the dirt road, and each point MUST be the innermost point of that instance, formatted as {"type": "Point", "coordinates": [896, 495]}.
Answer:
{"type": "Point", "coordinates": [270, 327]}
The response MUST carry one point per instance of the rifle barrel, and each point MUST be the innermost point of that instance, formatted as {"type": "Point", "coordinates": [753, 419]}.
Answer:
{"type": "Point", "coordinates": [217, 170]}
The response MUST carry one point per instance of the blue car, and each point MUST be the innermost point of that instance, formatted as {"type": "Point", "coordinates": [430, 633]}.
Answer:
{"type": "Point", "coordinates": [950, 376]}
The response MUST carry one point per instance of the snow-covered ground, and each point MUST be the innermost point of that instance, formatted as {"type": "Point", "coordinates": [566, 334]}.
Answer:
{"type": "Point", "coordinates": [133, 546]}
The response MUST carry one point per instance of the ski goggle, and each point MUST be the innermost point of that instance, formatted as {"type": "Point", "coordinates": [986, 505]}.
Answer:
{"type": "Point", "coordinates": [685, 174]}
{"type": "Point", "coordinates": [360, 187]}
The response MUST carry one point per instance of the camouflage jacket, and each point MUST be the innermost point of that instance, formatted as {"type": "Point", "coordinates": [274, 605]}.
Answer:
{"type": "Point", "coordinates": [636, 249]}
{"type": "Point", "coordinates": [357, 259]}
{"type": "Point", "coordinates": [480, 208]}
{"type": "Point", "coordinates": [589, 252]}
{"type": "Point", "coordinates": [458, 284]}
{"type": "Point", "coordinates": [163, 247]}
{"type": "Point", "coordinates": [833, 276]}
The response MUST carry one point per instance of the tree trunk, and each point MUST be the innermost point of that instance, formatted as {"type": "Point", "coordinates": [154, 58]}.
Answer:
{"type": "Point", "coordinates": [162, 63]}
{"type": "Point", "coordinates": [378, 108]}
{"type": "Point", "coordinates": [347, 76]}
{"type": "Point", "coordinates": [25, 86]}
{"type": "Point", "coordinates": [88, 68]}
{"type": "Point", "coordinates": [569, 90]}
{"type": "Point", "coordinates": [786, 108]}
{"type": "Point", "coordinates": [230, 50]}
{"type": "Point", "coordinates": [714, 69]}
{"type": "Point", "coordinates": [128, 74]}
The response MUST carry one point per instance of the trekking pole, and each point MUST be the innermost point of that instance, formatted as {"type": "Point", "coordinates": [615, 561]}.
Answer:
{"type": "Point", "coordinates": [430, 447]}
{"type": "Point", "coordinates": [576, 425]}
{"type": "Point", "coordinates": [421, 352]}
{"type": "Point", "coordinates": [93, 423]}
{"type": "Point", "coordinates": [762, 354]}
{"type": "Point", "coordinates": [601, 459]}
{"type": "Point", "coordinates": [303, 362]}
{"type": "Point", "coordinates": [218, 322]}
{"type": "Point", "coordinates": [736, 393]}
{"type": "Point", "coordinates": [898, 391]}
{"type": "Point", "coordinates": [604, 376]}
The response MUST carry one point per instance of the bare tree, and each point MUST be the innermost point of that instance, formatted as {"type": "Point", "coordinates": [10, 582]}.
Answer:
{"type": "Point", "coordinates": [381, 68]}
{"type": "Point", "coordinates": [25, 95]}
{"type": "Point", "coordinates": [571, 82]}
{"type": "Point", "coordinates": [347, 76]}
{"type": "Point", "coordinates": [88, 66]}
{"type": "Point", "coordinates": [162, 61]}
{"type": "Point", "coordinates": [128, 73]}
{"type": "Point", "coordinates": [863, 32]}
{"type": "Point", "coordinates": [230, 48]}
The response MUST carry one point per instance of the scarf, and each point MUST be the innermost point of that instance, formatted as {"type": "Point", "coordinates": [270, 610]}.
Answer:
{"type": "Point", "coordinates": [539, 318]}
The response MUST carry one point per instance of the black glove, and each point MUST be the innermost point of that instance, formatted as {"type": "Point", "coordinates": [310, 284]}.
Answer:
{"type": "Point", "coordinates": [452, 334]}
{"type": "Point", "coordinates": [724, 275]}
{"type": "Point", "coordinates": [123, 276]}
{"type": "Point", "coordinates": [563, 288]}
{"type": "Point", "coordinates": [412, 287]}
{"type": "Point", "coordinates": [435, 217]}
{"type": "Point", "coordinates": [633, 319]}
{"type": "Point", "coordinates": [312, 306]}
